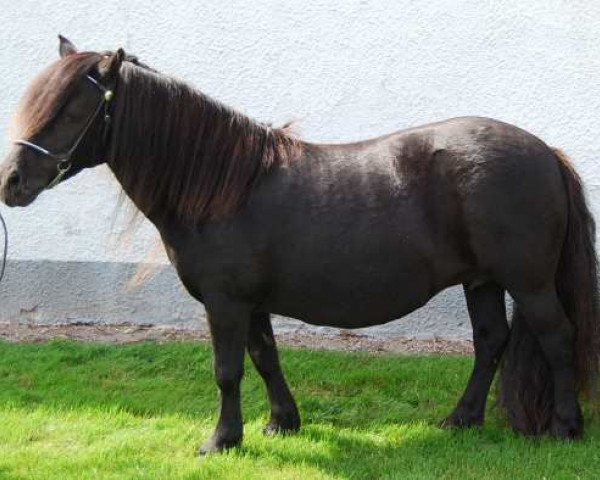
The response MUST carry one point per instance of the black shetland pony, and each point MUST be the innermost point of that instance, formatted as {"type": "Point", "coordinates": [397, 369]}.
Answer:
{"type": "Point", "coordinates": [257, 221]}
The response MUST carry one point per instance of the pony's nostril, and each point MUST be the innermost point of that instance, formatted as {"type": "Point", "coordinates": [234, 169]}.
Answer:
{"type": "Point", "coordinates": [13, 179]}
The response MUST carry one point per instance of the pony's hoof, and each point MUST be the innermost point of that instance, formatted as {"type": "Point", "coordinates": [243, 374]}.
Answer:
{"type": "Point", "coordinates": [461, 420]}
{"type": "Point", "coordinates": [287, 425]}
{"type": "Point", "coordinates": [216, 444]}
{"type": "Point", "coordinates": [566, 429]}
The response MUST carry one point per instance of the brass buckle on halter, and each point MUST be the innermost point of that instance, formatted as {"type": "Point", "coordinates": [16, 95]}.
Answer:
{"type": "Point", "coordinates": [63, 167]}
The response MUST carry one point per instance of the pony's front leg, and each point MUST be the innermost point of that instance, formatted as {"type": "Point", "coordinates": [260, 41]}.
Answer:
{"type": "Point", "coordinates": [228, 322]}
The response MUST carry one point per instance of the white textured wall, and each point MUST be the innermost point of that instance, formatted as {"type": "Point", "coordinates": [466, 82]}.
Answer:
{"type": "Point", "coordinates": [348, 69]}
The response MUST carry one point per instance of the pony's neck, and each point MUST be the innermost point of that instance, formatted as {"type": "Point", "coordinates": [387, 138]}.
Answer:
{"type": "Point", "coordinates": [177, 152]}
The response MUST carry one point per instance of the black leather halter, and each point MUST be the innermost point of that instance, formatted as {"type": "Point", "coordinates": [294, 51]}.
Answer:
{"type": "Point", "coordinates": [64, 159]}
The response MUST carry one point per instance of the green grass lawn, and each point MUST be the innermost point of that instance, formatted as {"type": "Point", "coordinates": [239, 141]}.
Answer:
{"type": "Point", "coordinates": [71, 410]}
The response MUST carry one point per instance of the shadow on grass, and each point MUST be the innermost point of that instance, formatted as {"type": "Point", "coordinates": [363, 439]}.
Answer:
{"type": "Point", "coordinates": [422, 451]}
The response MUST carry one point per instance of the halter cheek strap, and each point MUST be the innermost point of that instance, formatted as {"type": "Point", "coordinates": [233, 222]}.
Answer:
{"type": "Point", "coordinates": [64, 159]}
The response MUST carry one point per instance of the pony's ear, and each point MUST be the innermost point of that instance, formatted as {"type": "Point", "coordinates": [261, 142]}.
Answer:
{"type": "Point", "coordinates": [109, 66]}
{"type": "Point", "coordinates": [65, 46]}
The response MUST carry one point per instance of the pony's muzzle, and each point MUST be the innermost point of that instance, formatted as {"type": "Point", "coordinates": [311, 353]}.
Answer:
{"type": "Point", "coordinates": [12, 187]}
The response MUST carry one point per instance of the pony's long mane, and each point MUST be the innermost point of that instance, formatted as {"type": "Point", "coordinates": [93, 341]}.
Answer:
{"type": "Point", "coordinates": [177, 151]}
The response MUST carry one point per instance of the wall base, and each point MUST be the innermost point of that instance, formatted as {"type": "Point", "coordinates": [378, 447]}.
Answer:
{"type": "Point", "coordinates": [53, 292]}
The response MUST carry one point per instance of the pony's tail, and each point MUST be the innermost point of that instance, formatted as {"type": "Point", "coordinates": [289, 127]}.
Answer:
{"type": "Point", "coordinates": [526, 386]}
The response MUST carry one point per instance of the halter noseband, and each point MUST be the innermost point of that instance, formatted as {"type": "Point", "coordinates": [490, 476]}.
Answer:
{"type": "Point", "coordinates": [64, 159]}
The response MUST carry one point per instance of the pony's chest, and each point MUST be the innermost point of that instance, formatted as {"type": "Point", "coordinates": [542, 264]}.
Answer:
{"type": "Point", "coordinates": [230, 269]}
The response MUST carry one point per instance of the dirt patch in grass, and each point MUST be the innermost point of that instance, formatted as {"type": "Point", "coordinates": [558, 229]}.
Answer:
{"type": "Point", "coordinates": [129, 333]}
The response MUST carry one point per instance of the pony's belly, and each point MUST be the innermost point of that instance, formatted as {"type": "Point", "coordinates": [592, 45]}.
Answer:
{"type": "Point", "coordinates": [354, 309]}
{"type": "Point", "coordinates": [355, 293]}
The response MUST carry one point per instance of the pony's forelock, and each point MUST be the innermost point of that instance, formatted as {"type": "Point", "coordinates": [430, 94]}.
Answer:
{"type": "Point", "coordinates": [48, 92]}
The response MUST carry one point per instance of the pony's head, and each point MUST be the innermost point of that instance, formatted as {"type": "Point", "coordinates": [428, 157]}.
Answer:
{"type": "Point", "coordinates": [62, 123]}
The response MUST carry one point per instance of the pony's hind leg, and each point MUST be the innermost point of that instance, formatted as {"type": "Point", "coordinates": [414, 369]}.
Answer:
{"type": "Point", "coordinates": [263, 352]}
{"type": "Point", "coordinates": [487, 311]}
{"type": "Point", "coordinates": [546, 320]}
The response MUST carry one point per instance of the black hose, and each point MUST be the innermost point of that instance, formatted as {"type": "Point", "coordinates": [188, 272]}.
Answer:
{"type": "Point", "coordinates": [4, 253]}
